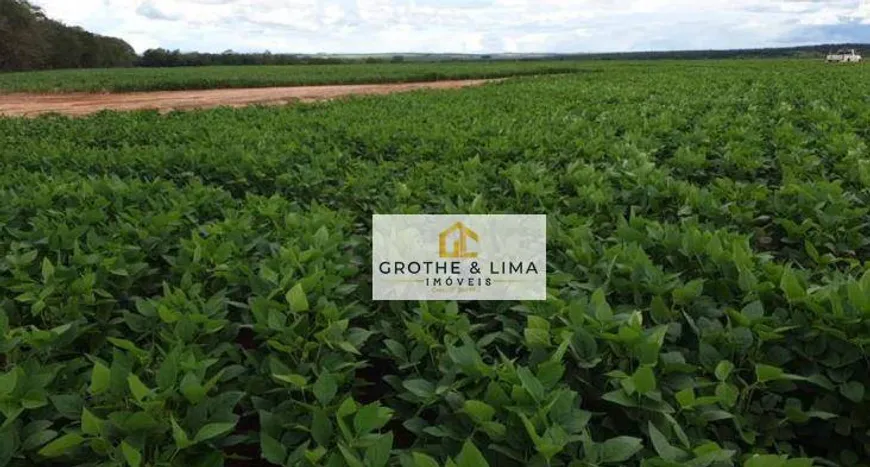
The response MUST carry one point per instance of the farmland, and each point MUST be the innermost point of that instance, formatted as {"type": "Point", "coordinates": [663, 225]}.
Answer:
{"type": "Point", "coordinates": [193, 288]}
{"type": "Point", "coordinates": [218, 77]}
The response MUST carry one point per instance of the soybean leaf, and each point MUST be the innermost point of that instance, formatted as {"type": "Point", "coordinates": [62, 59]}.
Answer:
{"type": "Point", "coordinates": [100, 379]}
{"type": "Point", "coordinates": [137, 388]}
{"type": "Point", "coordinates": [470, 456]}
{"type": "Point", "coordinates": [723, 370]}
{"type": "Point", "coordinates": [378, 454]}
{"type": "Point", "coordinates": [371, 417]}
{"type": "Point", "coordinates": [212, 430]}
{"type": "Point", "coordinates": [91, 425]}
{"type": "Point", "coordinates": [601, 308]}
{"type": "Point", "coordinates": [325, 388]}
{"type": "Point", "coordinates": [620, 449]}
{"type": "Point", "coordinates": [131, 454]}
{"type": "Point", "coordinates": [852, 390]}
{"type": "Point", "coordinates": [178, 434]}
{"type": "Point", "coordinates": [531, 384]}
{"type": "Point", "coordinates": [479, 411]}
{"type": "Point", "coordinates": [297, 299]}
{"type": "Point", "coordinates": [61, 445]}
{"type": "Point", "coordinates": [644, 380]}
{"type": "Point", "coordinates": [272, 450]}
{"type": "Point", "coordinates": [420, 388]}
{"type": "Point", "coordinates": [423, 460]}
{"type": "Point", "coordinates": [664, 448]}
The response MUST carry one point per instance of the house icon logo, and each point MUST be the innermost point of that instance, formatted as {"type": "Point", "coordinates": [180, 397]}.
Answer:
{"type": "Point", "coordinates": [453, 242]}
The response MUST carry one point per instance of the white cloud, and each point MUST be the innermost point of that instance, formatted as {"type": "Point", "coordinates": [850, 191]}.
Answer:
{"type": "Point", "coordinates": [382, 26]}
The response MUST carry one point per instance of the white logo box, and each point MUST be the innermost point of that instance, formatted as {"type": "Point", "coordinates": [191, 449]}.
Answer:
{"type": "Point", "coordinates": [459, 257]}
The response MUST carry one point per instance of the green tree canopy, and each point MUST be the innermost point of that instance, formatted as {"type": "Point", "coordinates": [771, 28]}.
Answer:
{"type": "Point", "coordinates": [29, 40]}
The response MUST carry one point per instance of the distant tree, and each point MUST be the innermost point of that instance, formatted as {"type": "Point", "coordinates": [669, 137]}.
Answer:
{"type": "Point", "coordinates": [166, 58]}
{"type": "Point", "coordinates": [29, 40]}
{"type": "Point", "coordinates": [21, 47]}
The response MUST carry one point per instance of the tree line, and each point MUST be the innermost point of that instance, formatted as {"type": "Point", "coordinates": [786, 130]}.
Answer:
{"type": "Point", "coordinates": [173, 58]}
{"type": "Point", "coordinates": [809, 51]}
{"type": "Point", "coordinates": [31, 41]}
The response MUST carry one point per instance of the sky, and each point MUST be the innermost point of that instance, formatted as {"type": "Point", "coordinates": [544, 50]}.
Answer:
{"type": "Point", "coordinates": [466, 26]}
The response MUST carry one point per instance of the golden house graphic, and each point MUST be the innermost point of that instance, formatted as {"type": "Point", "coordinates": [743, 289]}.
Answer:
{"type": "Point", "coordinates": [459, 234]}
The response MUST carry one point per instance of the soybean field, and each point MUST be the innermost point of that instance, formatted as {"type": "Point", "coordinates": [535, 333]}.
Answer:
{"type": "Point", "coordinates": [193, 288]}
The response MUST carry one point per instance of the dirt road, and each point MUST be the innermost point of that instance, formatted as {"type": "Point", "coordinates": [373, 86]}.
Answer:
{"type": "Point", "coordinates": [86, 103]}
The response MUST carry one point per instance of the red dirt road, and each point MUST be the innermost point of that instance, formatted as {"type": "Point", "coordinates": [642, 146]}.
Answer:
{"type": "Point", "coordinates": [20, 104]}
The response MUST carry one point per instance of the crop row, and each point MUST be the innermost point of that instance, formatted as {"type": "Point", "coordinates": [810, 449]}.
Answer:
{"type": "Point", "coordinates": [214, 77]}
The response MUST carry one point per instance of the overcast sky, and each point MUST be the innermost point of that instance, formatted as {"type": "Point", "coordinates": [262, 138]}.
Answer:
{"type": "Point", "coordinates": [469, 26]}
